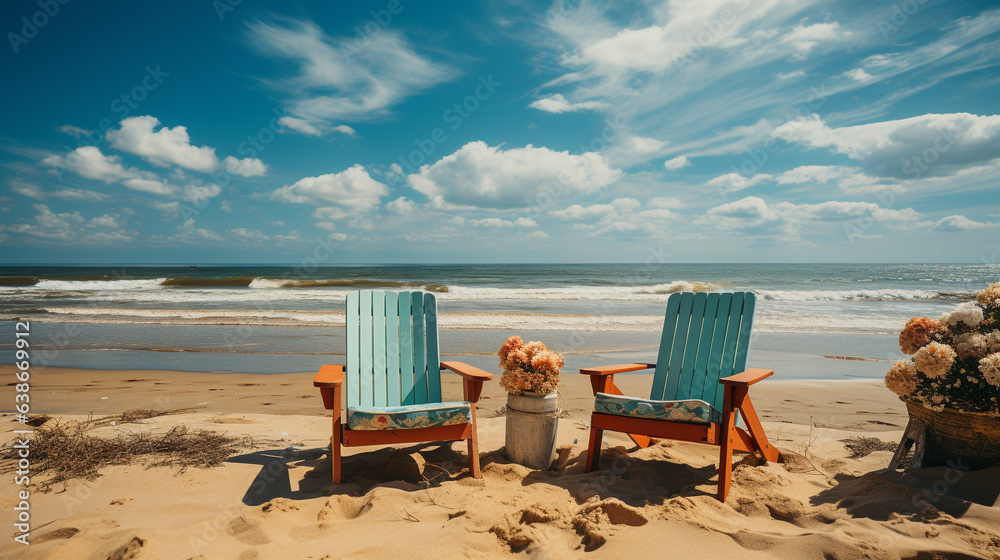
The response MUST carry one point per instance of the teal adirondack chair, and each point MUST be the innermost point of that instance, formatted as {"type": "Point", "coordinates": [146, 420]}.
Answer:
{"type": "Point", "coordinates": [393, 378]}
{"type": "Point", "coordinates": [699, 385]}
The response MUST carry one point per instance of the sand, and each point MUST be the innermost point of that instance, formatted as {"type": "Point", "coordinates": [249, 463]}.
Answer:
{"type": "Point", "coordinates": [274, 499]}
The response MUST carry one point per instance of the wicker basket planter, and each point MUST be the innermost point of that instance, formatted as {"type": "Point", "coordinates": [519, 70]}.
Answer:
{"type": "Point", "coordinates": [969, 440]}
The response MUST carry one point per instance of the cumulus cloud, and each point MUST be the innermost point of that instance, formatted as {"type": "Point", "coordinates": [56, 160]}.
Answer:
{"type": "Point", "coordinates": [89, 162]}
{"type": "Point", "coordinates": [558, 103]}
{"type": "Point", "coordinates": [960, 223]}
{"type": "Point", "coordinates": [928, 145]}
{"type": "Point", "coordinates": [172, 146]}
{"type": "Point", "coordinates": [352, 188]}
{"type": "Point", "coordinates": [401, 205]}
{"type": "Point", "coordinates": [246, 167]}
{"type": "Point", "coordinates": [336, 80]}
{"type": "Point", "coordinates": [732, 182]}
{"type": "Point", "coordinates": [679, 162]}
{"type": "Point", "coordinates": [858, 74]}
{"type": "Point", "coordinates": [163, 147]}
{"type": "Point", "coordinates": [72, 227]}
{"type": "Point", "coordinates": [489, 177]}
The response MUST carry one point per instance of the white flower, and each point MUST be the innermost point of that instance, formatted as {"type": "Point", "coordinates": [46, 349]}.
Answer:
{"type": "Point", "coordinates": [968, 313]}
{"type": "Point", "coordinates": [990, 367]}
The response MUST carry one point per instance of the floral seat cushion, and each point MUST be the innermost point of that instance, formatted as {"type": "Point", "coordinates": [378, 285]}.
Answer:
{"type": "Point", "coordinates": [411, 416]}
{"type": "Point", "coordinates": [692, 411]}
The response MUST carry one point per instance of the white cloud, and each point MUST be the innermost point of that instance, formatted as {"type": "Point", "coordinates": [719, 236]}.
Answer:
{"type": "Point", "coordinates": [785, 220]}
{"type": "Point", "coordinates": [89, 162]}
{"type": "Point", "coordinates": [672, 203]}
{"type": "Point", "coordinates": [679, 162]}
{"type": "Point", "coordinates": [928, 145]}
{"type": "Point", "coordinates": [401, 205]}
{"type": "Point", "coordinates": [484, 176]}
{"type": "Point", "coordinates": [351, 188]}
{"type": "Point", "coordinates": [225, 207]}
{"type": "Point", "coordinates": [247, 167]}
{"type": "Point", "coordinates": [161, 147]}
{"type": "Point", "coordinates": [805, 38]}
{"type": "Point", "coordinates": [32, 190]}
{"type": "Point", "coordinates": [344, 129]}
{"type": "Point", "coordinates": [172, 146]}
{"type": "Point", "coordinates": [199, 194]}
{"type": "Point", "coordinates": [790, 75]}
{"type": "Point", "coordinates": [858, 74]}
{"type": "Point", "coordinates": [152, 186]}
{"type": "Point", "coordinates": [732, 182]}
{"type": "Point", "coordinates": [300, 125]}
{"type": "Point", "coordinates": [73, 228]}
{"type": "Point", "coordinates": [747, 212]}
{"type": "Point", "coordinates": [557, 103]}
{"type": "Point", "coordinates": [960, 223]}
{"type": "Point", "coordinates": [499, 223]}
{"type": "Point", "coordinates": [337, 80]}
{"type": "Point", "coordinates": [27, 189]}
{"type": "Point", "coordinates": [74, 131]}
{"type": "Point", "coordinates": [169, 209]}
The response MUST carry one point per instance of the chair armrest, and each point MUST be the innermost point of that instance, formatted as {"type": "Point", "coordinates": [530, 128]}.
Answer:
{"type": "Point", "coordinates": [329, 376]}
{"type": "Point", "coordinates": [611, 370]}
{"type": "Point", "coordinates": [467, 371]}
{"type": "Point", "coordinates": [747, 378]}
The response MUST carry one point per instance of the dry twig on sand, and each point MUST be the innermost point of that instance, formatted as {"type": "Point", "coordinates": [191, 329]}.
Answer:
{"type": "Point", "coordinates": [862, 446]}
{"type": "Point", "coordinates": [64, 450]}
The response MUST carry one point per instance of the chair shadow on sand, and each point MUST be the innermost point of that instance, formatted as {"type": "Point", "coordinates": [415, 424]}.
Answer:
{"type": "Point", "coordinates": [414, 467]}
{"type": "Point", "coordinates": [917, 493]}
{"type": "Point", "coordinates": [635, 481]}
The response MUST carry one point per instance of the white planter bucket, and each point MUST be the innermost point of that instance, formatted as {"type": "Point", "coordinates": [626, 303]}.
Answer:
{"type": "Point", "coordinates": [532, 423]}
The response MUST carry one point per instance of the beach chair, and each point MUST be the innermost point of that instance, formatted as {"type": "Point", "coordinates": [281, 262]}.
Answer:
{"type": "Point", "coordinates": [699, 386]}
{"type": "Point", "coordinates": [392, 379]}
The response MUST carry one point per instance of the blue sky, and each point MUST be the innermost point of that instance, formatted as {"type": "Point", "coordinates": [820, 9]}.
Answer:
{"type": "Point", "coordinates": [712, 131]}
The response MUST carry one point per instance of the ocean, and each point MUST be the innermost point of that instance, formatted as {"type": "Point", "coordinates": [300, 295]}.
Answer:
{"type": "Point", "coordinates": [258, 318]}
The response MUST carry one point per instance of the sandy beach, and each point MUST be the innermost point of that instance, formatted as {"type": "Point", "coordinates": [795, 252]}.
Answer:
{"type": "Point", "coordinates": [273, 499]}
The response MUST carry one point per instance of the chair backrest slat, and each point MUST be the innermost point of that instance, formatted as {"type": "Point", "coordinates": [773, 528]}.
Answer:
{"type": "Point", "coordinates": [367, 371]}
{"type": "Point", "coordinates": [392, 382]}
{"type": "Point", "coordinates": [431, 334]}
{"type": "Point", "coordinates": [353, 381]}
{"type": "Point", "coordinates": [419, 356]}
{"type": "Point", "coordinates": [666, 341]}
{"type": "Point", "coordinates": [379, 386]}
{"type": "Point", "coordinates": [392, 349]}
{"type": "Point", "coordinates": [705, 337]}
{"type": "Point", "coordinates": [405, 349]}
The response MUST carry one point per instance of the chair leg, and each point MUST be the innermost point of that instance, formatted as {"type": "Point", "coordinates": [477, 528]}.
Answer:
{"type": "Point", "coordinates": [335, 451]}
{"type": "Point", "coordinates": [474, 447]}
{"type": "Point", "coordinates": [727, 438]}
{"type": "Point", "coordinates": [594, 449]}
